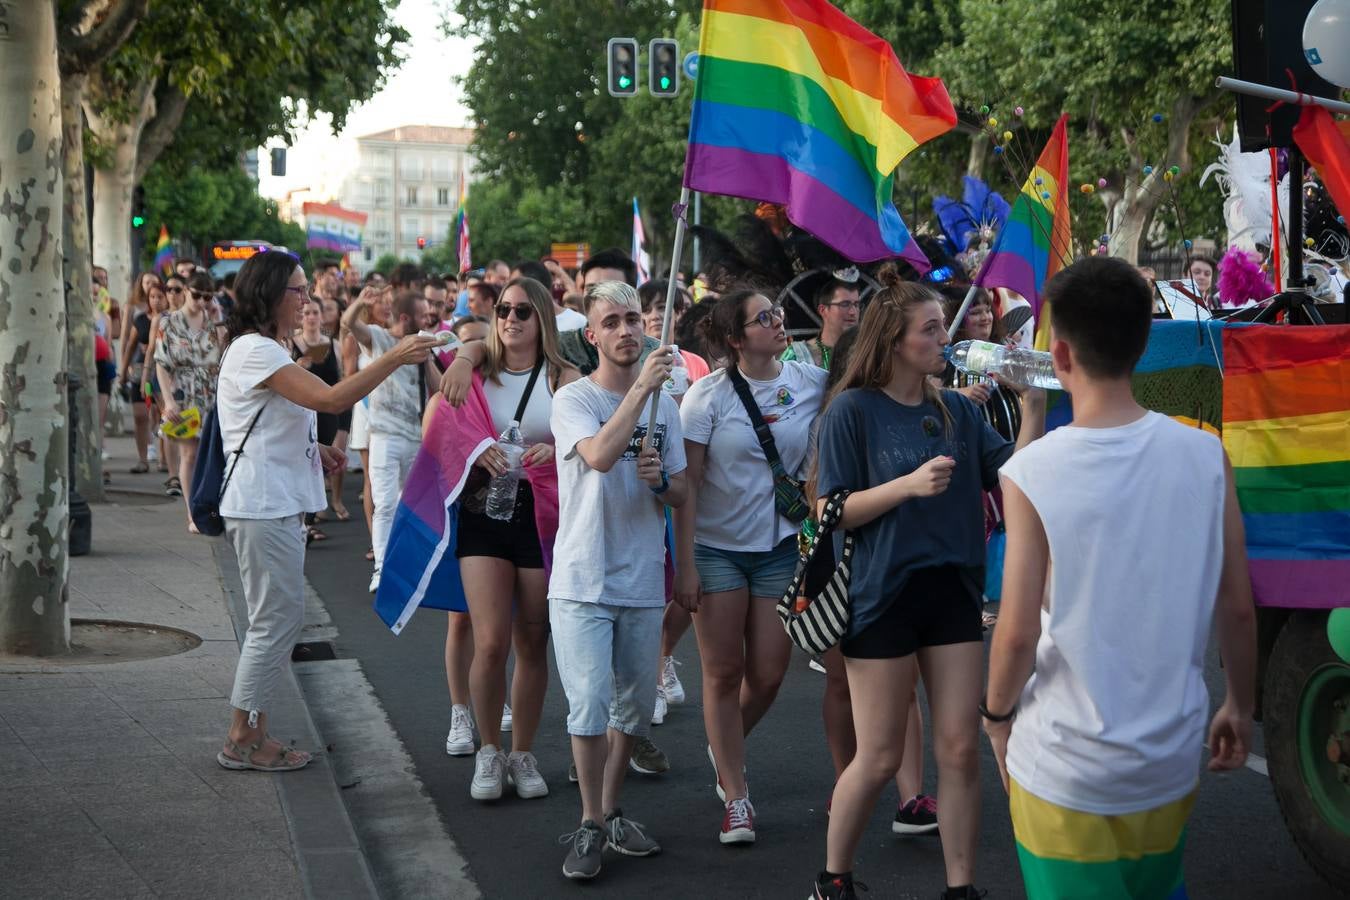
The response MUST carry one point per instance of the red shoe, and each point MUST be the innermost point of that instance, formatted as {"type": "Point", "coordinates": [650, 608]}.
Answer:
{"type": "Point", "coordinates": [738, 825]}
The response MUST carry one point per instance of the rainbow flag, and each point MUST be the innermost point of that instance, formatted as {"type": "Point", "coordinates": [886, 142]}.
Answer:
{"type": "Point", "coordinates": [797, 104]}
{"type": "Point", "coordinates": [1034, 242]}
{"type": "Point", "coordinates": [462, 246]}
{"type": "Point", "coordinates": [164, 252]}
{"type": "Point", "coordinates": [1286, 427]}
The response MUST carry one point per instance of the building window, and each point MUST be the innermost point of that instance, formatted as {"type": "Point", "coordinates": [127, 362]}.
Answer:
{"type": "Point", "coordinates": [382, 191]}
{"type": "Point", "coordinates": [412, 196]}
{"type": "Point", "coordinates": [443, 196]}
{"type": "Point", "coordinates": [411, 229]}
{"type": "Point", "coordinates": [410, 166]}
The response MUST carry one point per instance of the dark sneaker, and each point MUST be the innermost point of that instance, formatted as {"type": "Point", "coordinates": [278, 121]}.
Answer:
{"type": "Point", "coordinates": [738, 825]}
{"type": "Point", "coordinates": [918, 816]}
{"type": "Point", "coordinates": [588, 844]}
{"type": "Point", "coordinates": [836, 887]}
{"type": "Point", "coordinates": [628, 837]}
{"type": "Point", "coordinates": [965, 892]}
{"type": "Point", "coordinates": [572, 774]}
{"type": "Point", "coordinates": [647, 758]}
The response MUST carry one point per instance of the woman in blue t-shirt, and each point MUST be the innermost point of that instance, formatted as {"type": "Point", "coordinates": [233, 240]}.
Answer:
{"type": "Point", "coordinates": [915, 459]}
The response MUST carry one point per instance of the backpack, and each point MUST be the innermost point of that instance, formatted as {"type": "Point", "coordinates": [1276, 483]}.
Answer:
{"type": "Point", "coordinates": [209, 478]}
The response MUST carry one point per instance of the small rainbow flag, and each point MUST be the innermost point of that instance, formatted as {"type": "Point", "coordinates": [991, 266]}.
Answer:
{"type": "Point", "coordinates": [1034, 243]}
{"type": "Point", "coordinates": [1286, 427]}
{"type": "Point", "coordinates": [797, 104]}
{"type": "Point", "coordinates": [164, 252]}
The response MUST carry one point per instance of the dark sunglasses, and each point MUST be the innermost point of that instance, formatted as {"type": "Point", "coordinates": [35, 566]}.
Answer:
{"type": "Point", "coordinates": [174, 290]}
{"type": "Point", "coordinates": [202, 295]}
{"type": "Point", "coordinates": [523, 311]}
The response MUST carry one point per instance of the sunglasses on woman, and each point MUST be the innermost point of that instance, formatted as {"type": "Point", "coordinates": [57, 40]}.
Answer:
{"type": "Point", "coordinates": [768, 318]}
{"type": "Point", "coordinates": [523, 311]}
{"type": "Point", "coordinates": [174, 290]}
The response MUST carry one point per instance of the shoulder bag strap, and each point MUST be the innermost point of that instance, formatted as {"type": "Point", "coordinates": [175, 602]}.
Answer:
{"type": "Point", "coordinates": [240, 449]}
{"type": "Point", "coordinates": [529, 388]}
{"type": "Point", "coordinates": [757, 422]}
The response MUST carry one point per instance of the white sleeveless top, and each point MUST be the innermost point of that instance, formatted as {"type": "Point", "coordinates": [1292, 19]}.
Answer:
{"type": "Point", "coordinates": [1113, 720]}
{"type": "Point", "coordinates": [505, 397]}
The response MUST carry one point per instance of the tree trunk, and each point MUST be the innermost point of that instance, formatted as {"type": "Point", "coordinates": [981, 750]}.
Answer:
{"type": "Point", "coordinates": [34, 462]}
{"type": "Point", "coordinates": [79, 296]}
{"type": "Point", "coordinates": [979, 152]}
{"type": "Point", "coordinates": [113, 187]}
{"type": "Point", "coordinates": [1142, 199]}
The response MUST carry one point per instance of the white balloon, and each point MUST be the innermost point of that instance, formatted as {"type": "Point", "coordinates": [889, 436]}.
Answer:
{"type": "Point", "coordinates": [1326, 41]}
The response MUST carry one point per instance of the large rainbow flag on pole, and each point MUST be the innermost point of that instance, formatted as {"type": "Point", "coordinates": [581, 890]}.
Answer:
{"type": "Point", "coordinates": [163, 252]}
{"type": "Point", "coordinates": [1034, 243]}
{"type": "Point", "coordinates": [1286, 426]}
{"type": "Point", "coordinates": [797, 104]}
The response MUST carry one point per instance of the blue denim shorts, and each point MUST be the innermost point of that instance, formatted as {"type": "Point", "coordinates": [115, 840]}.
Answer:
{"type": "Point", "coordinates": [765, 572]}
{"type": "Point", "coordinates": [607, 662]}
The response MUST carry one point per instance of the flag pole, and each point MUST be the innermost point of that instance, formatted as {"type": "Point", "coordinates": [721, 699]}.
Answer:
{"type": "Point", "coordinates": [961, 313]}
{"type": "Point", "coordinates": [668, 321]}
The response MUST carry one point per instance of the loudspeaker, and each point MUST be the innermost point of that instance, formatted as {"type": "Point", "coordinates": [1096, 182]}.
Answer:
{"type": "Point", "coordinates": [1267, 40]}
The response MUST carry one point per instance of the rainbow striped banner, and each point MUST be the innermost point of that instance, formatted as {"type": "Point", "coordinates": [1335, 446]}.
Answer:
{"type": "Point", "coordinates": [1034, 243]}
{"type": "Point", "coordinates": [164, 252]}
{"type": "Point", "coordinates": [797, 104]}
{"type": "Point", "coordinates": [1286, 426]}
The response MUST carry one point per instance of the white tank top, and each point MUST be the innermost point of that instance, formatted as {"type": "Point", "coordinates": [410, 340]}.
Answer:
{"type": "Point", "coordinates": [1113, 720]}
{"type": "Point", "coordinates": [505, 397]}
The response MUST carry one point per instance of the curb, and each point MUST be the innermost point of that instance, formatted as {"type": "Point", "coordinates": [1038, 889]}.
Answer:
{"type": "Point", "coordinates": [329, 856]}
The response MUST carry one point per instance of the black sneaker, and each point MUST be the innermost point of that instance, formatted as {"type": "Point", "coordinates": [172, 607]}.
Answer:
{"type": "Point", "coordinates": [588, 844]}
{"type": "Point", "coordinates": [918, 816]}
{"type": "Point", "coordinates": [965, 892]}
{"type": "Point", "coordinates": [836, 887]}
{"type": "Point", "coordinates": [628, 837]}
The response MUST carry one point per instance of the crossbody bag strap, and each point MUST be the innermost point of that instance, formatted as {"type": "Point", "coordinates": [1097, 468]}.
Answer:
{"type": "Point", "coordinates": [529, 388]}
{"type": "Point", "coordinates": [757, 422]}
{"type": "Point", "coordinates": [240, 449]}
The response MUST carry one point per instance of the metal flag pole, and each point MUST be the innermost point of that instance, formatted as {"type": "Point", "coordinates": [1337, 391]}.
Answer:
{"type": "Point", "coordinates": [961, 313]}
{"type": "Point", "coordinates": [1266, 92]}
{"type": "Point", "coordinates": [668, 321]}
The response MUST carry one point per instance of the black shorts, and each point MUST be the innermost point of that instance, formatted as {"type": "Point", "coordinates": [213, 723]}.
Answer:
{"type": "Point", "coordinates": [107, 374]}
{"type": "Point", "coordinates": [937, 606]}
{"type": "Point", "coordinates": [516, 541]}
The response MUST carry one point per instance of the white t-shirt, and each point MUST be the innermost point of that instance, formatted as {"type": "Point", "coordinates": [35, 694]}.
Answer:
{"type": "Point", "coordinates": [570, 320]}
{"type": "Point", "coordinates": [1113, 720]}
{"type": "Point", "coordinates": [395, 404]}
{"type": "Point", "coordinates": [735, 501]}
{"type": "Point", "coordinates": [505, 397]}
{"type": "Point", "coordinates": [611, 537]}
{"type": "Point", "coordinates": [279, 473]}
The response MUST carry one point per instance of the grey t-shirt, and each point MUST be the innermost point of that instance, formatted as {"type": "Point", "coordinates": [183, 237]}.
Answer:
{"type": "Point", "coordinates": [610, 546]}
{"type": "Point", "coordinates": [867, 439]}
{"type": "Point", "coordinates": [395, 407]}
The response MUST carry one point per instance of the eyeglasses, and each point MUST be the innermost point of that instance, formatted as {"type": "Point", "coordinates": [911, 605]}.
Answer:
{"type": "Point", "coordinates": [849, 305]}
{"type": "Point", "coordinates": [202, 295]}
{"type": "Point", "coordinates": [174, 290]}
{"type": "Point", "coordinates": [523, 311]}
{"type": "Point", "coordinates": [768, 318]}
{"type": "Point", "coordinates": [302, 289]}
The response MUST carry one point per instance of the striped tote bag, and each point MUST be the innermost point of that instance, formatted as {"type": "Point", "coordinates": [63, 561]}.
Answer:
{"type": "Point", "coordinates": [824, 621]}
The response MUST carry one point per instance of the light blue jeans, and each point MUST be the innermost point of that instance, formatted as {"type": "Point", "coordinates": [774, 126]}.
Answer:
{"type": "Point", "coordinates": [607, 661]}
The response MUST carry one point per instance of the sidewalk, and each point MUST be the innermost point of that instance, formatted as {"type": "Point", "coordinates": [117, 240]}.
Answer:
{"type": "Point", "coordinates": [108, 780]}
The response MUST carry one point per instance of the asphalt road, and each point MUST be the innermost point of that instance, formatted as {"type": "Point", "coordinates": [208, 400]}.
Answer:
{"type": "Point", "coordinates": [1237, 845]}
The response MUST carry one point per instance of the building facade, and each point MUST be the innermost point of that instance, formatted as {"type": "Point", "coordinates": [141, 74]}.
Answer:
{"type": "Point", "coordinates": [407, 181]}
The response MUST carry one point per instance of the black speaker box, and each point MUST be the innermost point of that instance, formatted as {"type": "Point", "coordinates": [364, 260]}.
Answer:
{"type": "Point", "coordinates": [1267, 41]}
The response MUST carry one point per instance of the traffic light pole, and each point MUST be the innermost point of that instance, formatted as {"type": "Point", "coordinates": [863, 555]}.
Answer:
{"type": "Point", "coordinates": [668, 320]}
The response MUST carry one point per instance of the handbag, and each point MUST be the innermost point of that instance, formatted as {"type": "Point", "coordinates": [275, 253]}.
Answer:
{"type": "Point", "coordinates": [824, 621]}
{"type": "Point", "coordinates": [788, 496]}
{"type": "Point", "coordinates": [209, 478]}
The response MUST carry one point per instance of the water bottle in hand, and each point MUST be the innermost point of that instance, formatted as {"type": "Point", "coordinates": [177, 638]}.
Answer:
{"type": "Point", "coordinates": [501, 495]}
{"type": "Point", "coordinates": [1016, 365]}
{"type": "Point", "coordinates": [678, 381]}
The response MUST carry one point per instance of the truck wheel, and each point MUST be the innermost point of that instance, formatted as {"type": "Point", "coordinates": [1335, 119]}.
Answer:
{"type": "Point", "coordinates": [1307, 731]}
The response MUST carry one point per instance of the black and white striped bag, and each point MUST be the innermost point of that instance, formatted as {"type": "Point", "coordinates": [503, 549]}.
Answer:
{"type": "Point", "coordinates": [824, 621]}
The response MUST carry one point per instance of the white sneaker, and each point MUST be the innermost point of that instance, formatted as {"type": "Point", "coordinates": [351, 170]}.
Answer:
{"type": "Point", "coordinates": [670, 681]}
{"type": "Point", "coordinates": [375, 581]}
{"type": "Point", "coordinates": [523, 772]}
{"type": "Point", "coordinates": [459, 742]}
{"type": "Point", "coordinates": [659, 715]}
{"type": "Point", "coordinates": [488, 767]}
{"type": "Point", "coordinates": [506, 718]}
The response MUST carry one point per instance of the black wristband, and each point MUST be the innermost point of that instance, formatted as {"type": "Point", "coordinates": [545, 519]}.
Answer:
{"type": "Point", "coordinates": [665, 485]}
{"type": "Point", "coordinates": [984, 711]}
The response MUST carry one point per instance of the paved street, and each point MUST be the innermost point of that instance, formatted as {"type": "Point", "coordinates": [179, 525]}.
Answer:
{"type": "Point", "coordinates": [1237, 845]}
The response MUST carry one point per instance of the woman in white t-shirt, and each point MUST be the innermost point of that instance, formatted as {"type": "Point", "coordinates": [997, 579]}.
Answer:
{"type": "Point", "coordinates": [736, 551]}
{"type": "Point", "coordinates": [501, 562]}
{"type": "Point", "coordinates": [266, 405]}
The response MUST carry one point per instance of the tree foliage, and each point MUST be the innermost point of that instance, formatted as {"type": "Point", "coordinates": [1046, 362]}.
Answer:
{"type": "Point", "coordinates": [203, 206]}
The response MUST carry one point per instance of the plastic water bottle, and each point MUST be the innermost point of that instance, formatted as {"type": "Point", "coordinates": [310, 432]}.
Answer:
{"type": "Point", "coordinates": [1032, 367]}
{"type": "Point", "coordinates": [677, 382]}
{"type": "Point", "coordinates": [501, 495]}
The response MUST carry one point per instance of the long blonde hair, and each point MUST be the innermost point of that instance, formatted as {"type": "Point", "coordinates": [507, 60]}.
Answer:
{"type": "Point", "coordinates": [871, 362]}
{"type": "Point", "coordinates": [494, 363]}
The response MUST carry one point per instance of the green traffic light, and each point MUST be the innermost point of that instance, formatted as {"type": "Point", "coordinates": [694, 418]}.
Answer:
{"type": "Point", "coordinates": [137, 221]}
{"type": "Point", "coordinates": [665, 82]}
{"type": "Point", "coordinates": [625, 81]}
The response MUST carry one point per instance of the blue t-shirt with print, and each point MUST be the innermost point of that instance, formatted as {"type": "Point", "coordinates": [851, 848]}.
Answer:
{"type": "Point", "coordinates": [867, 439]}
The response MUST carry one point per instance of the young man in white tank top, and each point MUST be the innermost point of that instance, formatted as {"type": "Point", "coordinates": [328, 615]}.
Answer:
{"type": "Point", "coordinates": [1124, 541]}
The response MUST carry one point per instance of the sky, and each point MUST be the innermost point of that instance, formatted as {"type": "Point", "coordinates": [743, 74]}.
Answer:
{"type": "Point", "coordinates": [420, 92]}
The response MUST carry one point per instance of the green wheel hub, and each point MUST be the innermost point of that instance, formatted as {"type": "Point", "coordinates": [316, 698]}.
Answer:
{"type": "Point", "coordinates": [1324, 742]}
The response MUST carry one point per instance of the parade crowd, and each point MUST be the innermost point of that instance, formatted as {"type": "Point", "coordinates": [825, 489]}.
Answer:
{"type": "Point", "coordinates": [659, 484]}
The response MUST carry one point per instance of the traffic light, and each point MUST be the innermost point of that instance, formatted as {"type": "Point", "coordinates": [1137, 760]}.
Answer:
{"type": "Point", "coordinates": [138, 207]}
{"type": "Point", "coordinates": [421, 243]}
{"type": "Point", "coordinates": [278, 161]}
{"type": "Point", "coordinates": [663, 67]}
{"type": "Point", "coordinates": [623, 60]}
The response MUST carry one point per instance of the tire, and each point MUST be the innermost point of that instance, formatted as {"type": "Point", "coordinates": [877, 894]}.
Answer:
{"type": "Point", "coordinates": [1304, 678]}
